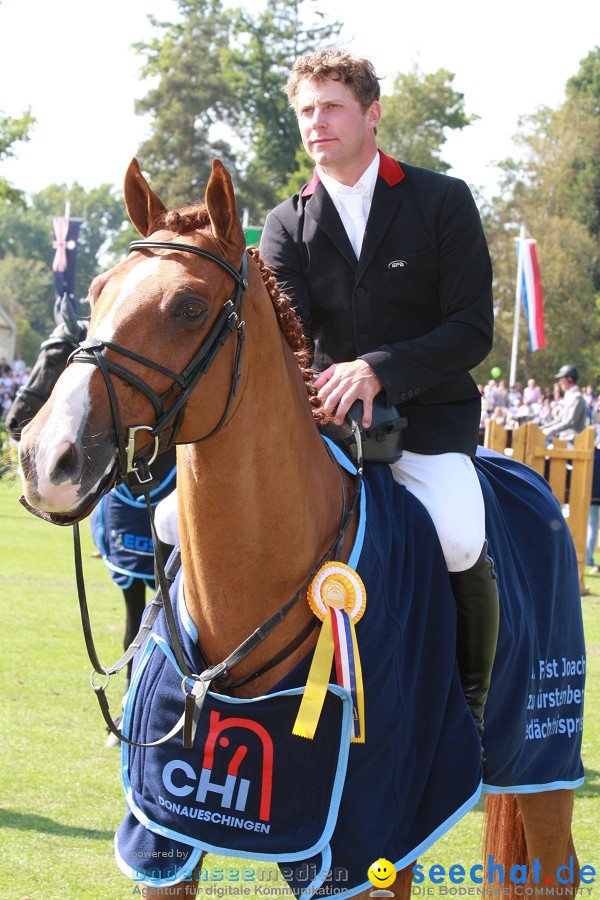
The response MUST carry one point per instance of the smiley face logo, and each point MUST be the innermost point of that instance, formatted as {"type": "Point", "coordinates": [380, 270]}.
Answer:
{"type": "Point", "coordinates": [381, 873]}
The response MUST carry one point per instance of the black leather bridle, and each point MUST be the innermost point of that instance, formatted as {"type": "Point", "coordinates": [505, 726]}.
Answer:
{"type": "Point", "coordinates": [169, 418]}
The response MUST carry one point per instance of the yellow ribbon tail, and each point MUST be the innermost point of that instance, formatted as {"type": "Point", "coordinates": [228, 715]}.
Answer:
{"type": "Point", "coordinates": [316, 684]}
{"type": "Point", "coordinates": [360, 691]}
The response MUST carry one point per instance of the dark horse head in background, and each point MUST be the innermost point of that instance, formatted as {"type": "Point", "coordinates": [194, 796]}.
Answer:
{"type": "Point", "coordinates": [52, 360]}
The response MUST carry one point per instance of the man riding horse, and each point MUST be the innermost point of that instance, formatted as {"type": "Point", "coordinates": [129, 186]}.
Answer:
{"type": "Point", "coordinates": [395, 295]}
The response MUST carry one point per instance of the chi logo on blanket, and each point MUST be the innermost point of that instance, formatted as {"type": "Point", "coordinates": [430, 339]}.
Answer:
{"type": "Point", "coordinates": [180, 779]}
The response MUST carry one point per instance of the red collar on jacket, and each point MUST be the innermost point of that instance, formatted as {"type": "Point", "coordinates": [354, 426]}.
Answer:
{"type": "Point", "coordinates": [389, 169]}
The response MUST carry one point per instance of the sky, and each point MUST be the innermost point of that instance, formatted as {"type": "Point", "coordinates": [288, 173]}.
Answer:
{"type": "Point", "coordinates": [72, 63]}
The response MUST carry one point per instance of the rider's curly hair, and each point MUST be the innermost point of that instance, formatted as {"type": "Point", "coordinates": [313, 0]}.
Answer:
{"type": "Point", "coordinates": [339, 65]}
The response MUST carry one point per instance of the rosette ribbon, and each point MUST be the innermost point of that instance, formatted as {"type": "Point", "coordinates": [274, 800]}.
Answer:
{"type": "Point", "coordinates": [338, 598]}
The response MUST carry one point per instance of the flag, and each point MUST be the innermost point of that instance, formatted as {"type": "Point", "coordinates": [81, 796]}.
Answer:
{"type": "Point", "coordinates": [66, 234]}
{"type": "Point", "coordinates": [531, 291]}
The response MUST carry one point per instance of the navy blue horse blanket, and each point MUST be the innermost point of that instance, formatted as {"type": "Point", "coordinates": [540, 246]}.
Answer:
{"type": "Point", "coordinates": [121, 528]}
{"type": "Point", "coordinates": [331, 808]}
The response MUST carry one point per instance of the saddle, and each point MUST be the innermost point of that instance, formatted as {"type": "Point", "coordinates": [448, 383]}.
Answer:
{"type": "Point", "coordinates": [382, 442]}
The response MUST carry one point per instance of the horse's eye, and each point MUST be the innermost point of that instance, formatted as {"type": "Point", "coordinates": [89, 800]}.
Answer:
{"type": "Point", "coordinates": [191, 310]}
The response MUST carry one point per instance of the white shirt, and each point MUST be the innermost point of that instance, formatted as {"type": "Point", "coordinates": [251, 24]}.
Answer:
{"type": "Point", "coordinates": [365, 186]}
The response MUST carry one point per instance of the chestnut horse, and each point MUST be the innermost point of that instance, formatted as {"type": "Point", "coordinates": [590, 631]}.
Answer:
{"type": "Point", "coordinates": [254, 517]}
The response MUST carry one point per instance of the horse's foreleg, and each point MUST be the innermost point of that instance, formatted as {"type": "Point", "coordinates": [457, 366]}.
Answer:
{"type": "Point", "coordinates": [551, 856]}
{"type": "Point", "coordinates": [401, 886]}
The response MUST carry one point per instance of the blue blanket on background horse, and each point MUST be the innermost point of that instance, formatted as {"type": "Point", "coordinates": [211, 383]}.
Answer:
{"type": "Point", "coordinates": [534, 714]}
{"type": "Point", "coordinates": [419, 770]}
{"type": "Point", "coordinates": [121, 528]}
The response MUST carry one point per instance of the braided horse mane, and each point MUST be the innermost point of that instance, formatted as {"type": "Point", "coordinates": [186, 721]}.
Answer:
{"type": "Point", "coordinates": [189, 218]}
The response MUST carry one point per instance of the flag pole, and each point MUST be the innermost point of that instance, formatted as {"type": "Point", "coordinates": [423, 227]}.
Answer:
{"type": "Point", "coordinates": [515, 340]}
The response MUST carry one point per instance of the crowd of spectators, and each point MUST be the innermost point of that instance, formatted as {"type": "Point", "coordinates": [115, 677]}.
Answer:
{"type": "Point", "coordinates": [512, 406]}
{"type": "Point", "coordinates": [12, 376]}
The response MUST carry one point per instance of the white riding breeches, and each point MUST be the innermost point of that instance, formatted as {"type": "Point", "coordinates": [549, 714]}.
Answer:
{"type": "Point", "coordinates": [448, 487]}
{"type": "Point", "coordinates": [165, 519]}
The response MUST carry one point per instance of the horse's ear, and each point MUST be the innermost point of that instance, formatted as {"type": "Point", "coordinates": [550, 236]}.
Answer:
{"type": "Point", "coordinates": [59, 304]}
{"type": "Point", "coordinates": [66, 314]}
{"type": "Point", "coordinates": [220, 202]}
{"type": "Point", "coordinates": [143, 205]}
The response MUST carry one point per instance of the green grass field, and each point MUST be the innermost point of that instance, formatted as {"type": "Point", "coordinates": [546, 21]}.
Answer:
{"type": "Point", "coordinates": [60, 792]}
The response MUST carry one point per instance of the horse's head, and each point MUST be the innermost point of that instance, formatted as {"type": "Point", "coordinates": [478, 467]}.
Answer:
{"type": "Point", "coordinates": [51, 361]}
{"type": "Point", "coordinates": [159, 320]}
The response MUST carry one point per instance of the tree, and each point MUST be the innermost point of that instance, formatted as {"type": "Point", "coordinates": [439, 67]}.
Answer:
{"type": "Point", "coordinates": [26, 293]}
{"type": "Point", "coordinates": [417, 114]}
{"type": "Point", "coordinates": [219, 92]}
{"type": "Point", "coordinates": [191, 97]}
{"type": "Point", "coordinates": [553, 190]}
{"type": "Point", "coordinates": [259, 66]}
{"type": "Point", "coordinates": [26, 253]}
{"type": "Point", "coordinates": [583, 93]}
{"type": "Point", "coordinates": [11, 132]}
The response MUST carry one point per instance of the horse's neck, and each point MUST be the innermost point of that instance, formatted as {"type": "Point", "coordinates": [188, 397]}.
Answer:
{"type": "Point", "coordinates": [258, 505]}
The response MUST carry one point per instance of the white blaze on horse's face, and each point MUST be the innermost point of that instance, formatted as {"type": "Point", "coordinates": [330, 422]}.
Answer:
{"type": "Point", "coordinates": [59, 434]}
{"type": "Point", "coordinates": [148, 268]}
{"type": "Point", "coordinates": [59, 488]}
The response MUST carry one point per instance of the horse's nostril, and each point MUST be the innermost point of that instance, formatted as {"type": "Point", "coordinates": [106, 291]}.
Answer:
{"type": "Point", "coordinates": [65, 464]}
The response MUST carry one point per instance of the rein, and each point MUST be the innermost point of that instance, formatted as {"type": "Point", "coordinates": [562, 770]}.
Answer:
{"type": "Point", "coordinates": [136, 466]}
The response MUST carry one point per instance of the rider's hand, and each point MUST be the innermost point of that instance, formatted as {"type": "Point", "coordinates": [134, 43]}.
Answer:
{"type": "Point", "coordinates": [343, 383]}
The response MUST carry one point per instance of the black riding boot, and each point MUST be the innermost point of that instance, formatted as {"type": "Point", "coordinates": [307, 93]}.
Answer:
{"type": "Point", "coordinates": [476, 594]}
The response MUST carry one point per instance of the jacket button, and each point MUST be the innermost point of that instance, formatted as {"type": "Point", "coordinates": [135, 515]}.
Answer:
{"type": "Point", "coordinates": [403, 396]}
{"type": "Point", "coordinates": [410, 393]}
{"type": "Point", "coordinates": [359, 291]}
{"type": "Point", "coordinates": [364, 338]}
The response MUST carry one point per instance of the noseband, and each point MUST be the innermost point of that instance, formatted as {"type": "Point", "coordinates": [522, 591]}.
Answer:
{"type": "Point", "coordinates": [169, 418]}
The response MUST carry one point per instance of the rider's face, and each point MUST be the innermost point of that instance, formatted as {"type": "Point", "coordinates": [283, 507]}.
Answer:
{"type": "Point", "coordinates": [337, 133]}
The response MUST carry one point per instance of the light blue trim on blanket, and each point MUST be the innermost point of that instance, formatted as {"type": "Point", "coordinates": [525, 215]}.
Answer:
{"type": "Point", "coordinates": [324, 870]}
{"type": "Point", "coordinates": [156, 641]}
{"type": "Point", "coordinates": [184, 615]}
{"type": "Point", "coordinates": [139, 502]}
{"type": "Point", "coordinates": [428, 842]}
{"type": "Point", "coordinates": [346, 464]}
{"type": "Point", "coordinates": [102, 548]}
{"type": "Point", "coordinates": [534, 788]}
